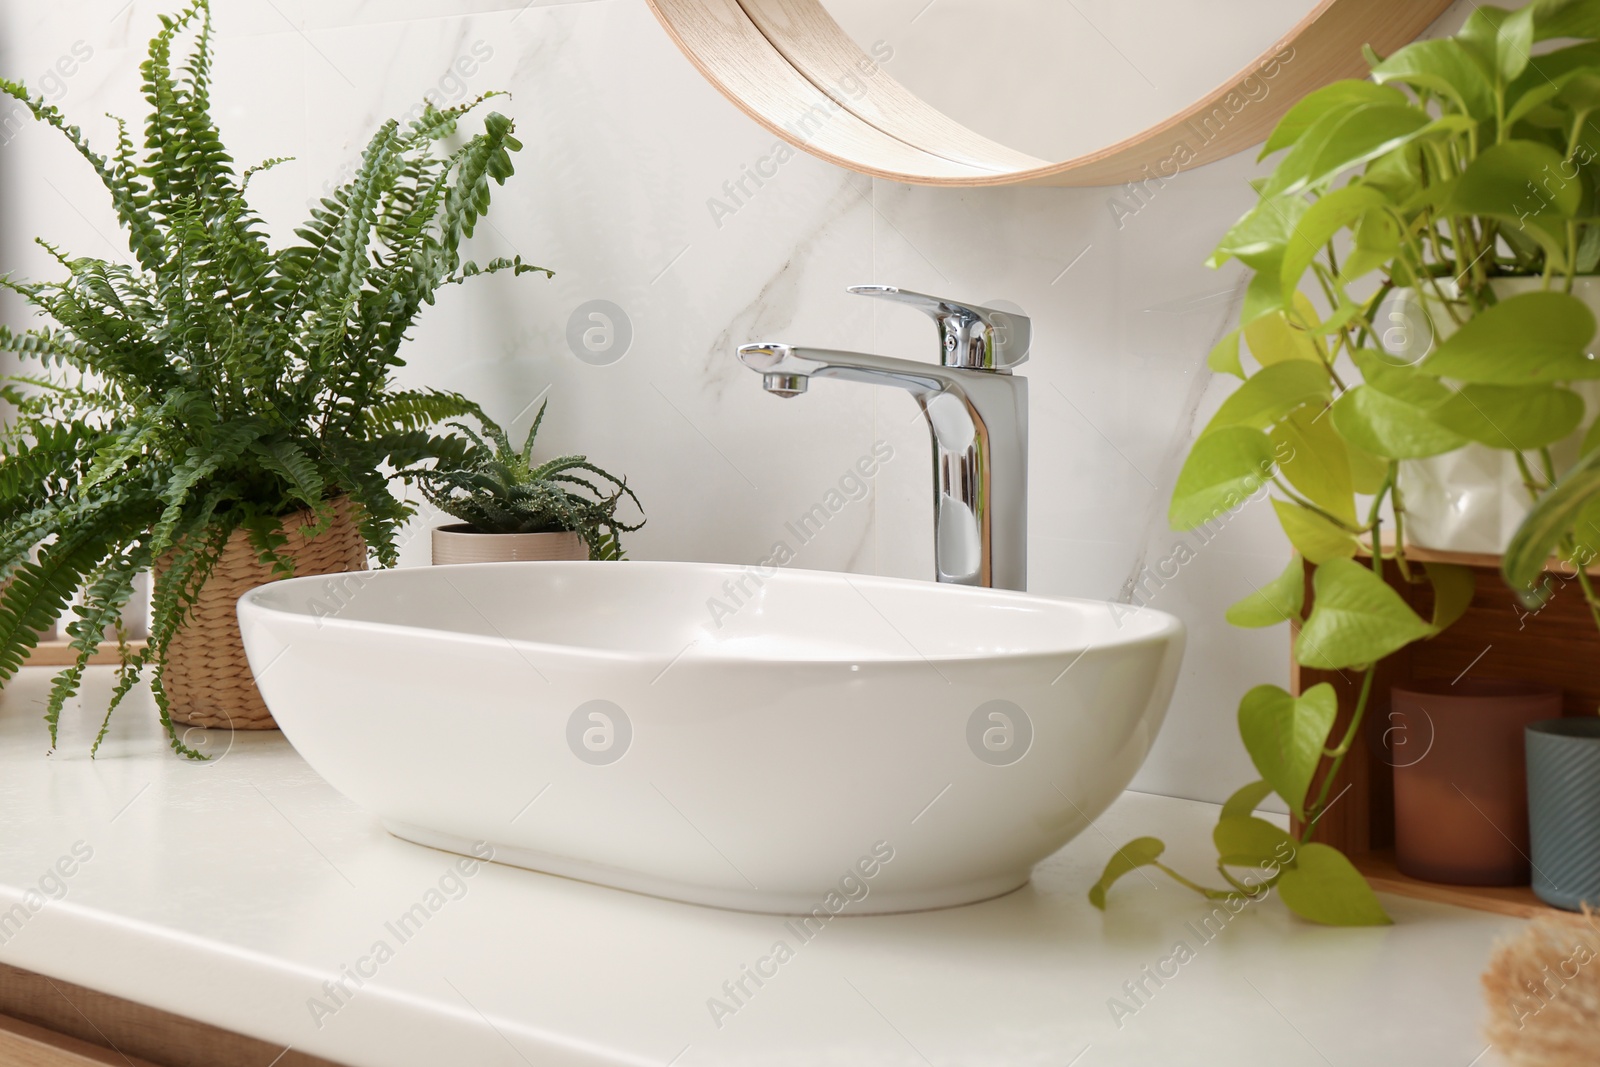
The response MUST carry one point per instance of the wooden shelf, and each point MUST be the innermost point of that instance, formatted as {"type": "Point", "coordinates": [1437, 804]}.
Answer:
{"type": "Point", "coordinates": [60, 653]}
{"type": "Point", "coordinates": [1485, 560]}
{"type": "Point", "coordinates": [1519, 900]}
{"type": "Point", "coordinates": [1497, 637]}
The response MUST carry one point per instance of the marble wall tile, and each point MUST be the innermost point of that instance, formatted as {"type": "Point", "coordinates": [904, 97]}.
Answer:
{"type": "Point", "coordinates": [615, 191]}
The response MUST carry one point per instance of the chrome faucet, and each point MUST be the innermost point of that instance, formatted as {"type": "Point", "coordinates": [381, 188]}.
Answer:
{"type": "Point", "coordinates": [977, 413]}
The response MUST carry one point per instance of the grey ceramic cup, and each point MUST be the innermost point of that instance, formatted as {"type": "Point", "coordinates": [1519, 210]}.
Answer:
{"type": "Point", "coordinates": [1564, 810]}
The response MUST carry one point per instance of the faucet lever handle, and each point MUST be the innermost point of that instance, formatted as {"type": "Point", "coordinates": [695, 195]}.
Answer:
{"type": "Point", "coordinates": [970, 335]}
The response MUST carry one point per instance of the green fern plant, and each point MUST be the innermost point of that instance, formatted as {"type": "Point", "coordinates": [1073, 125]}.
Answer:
{"type": "Point", "coordinates": [215, 383]}
{"type": "Point", "coordinates": [496, 489]}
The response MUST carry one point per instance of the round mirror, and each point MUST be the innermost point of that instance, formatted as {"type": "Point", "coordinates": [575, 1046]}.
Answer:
{"type": "Point", "coordinates": [1057, 78]}
{"type": "Point", "coordinates": [1059, 92]}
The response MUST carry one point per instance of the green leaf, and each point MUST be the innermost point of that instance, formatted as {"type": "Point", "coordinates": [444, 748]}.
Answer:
{"type": "Point", "coordinates": [1274, 339]}
{"type": "Point", "coordinates": [1591, 438]}
{"type": "Point", "coordinates": [1441, 66]}
{"type": "Point", "coordinates": [1514, 181]}
{"type": "Point", "coordinates": [1453, 589]}
{"type": "Point", "coordinates": [1313, 456]}
{"type": "Point", "coordinates": [1251, 842]}
{"type": "Point", "coordinates": [1313, 536]}
{"type": "Point", "coordinates": [1550, 521]}
{"type": "Point", "coordinates": [1533, 98]}
{"type": "Point", "coordinates": [1272, 393]}
{"type": "Point", "coordinates": [1278, 601]}
{"type": "Point", "coordinates": [1520, 417]}
{"type": "Point", "coordinates": [1580, 89]}
{"type": "Point", "coordinates": [1285, 736]}
{"type": "Point", "coordinates": [1224, 469]}
{"type": "Point", "coordinates": [1398, 176]}
{"type": "Point", "coordinates": [1565, 18]}
{"type": "Point", "coordinates": [1500, 38]}
{"type": "Point", "coordinates": [1325, 887]}
{"type": "Point", "coordinates": [1246, 799]}
{"type": "Point", "coordinates": [1396, 373]}
{"type": "Point", "coordinates": [1332, 213]}
{"type": "Point", "coordinates": [1140, 852]}
{"type": "Point", "coordinates": [1394, 427]}
{"type": "Point", "coordinates": [1367, 472]}
{"type": "Point", "coordinates": [1224, 358]}
{"type": "Point", "coordinates": [1356, 619]}
{"type": "Point", "coordinates": [1586, 533]}
{"type": "Point", "coordinates": [1522, 340]}
{"type": "Point", "coordinates": [1260, 236]}
{"type": "Point", "coordinates": [1337, 97]}
{"type": "Point", "coordinates": [1264, 295]}
{"type": "Point", "coordinates": [1377, 241]}
{"type": "Point", "coordinates": [1347, 312]}
{"type": "Point", "coordinates": [1340, 141]}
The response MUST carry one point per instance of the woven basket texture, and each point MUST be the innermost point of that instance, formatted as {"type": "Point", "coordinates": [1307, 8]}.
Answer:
{"type": "Point", "coordinates": [206, 674]}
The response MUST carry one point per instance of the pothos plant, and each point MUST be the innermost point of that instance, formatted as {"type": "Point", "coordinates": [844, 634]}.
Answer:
{"type": "Point", "coordinates": [213, 382]}
{"type": "Point", "coordinates": [1461, 161]}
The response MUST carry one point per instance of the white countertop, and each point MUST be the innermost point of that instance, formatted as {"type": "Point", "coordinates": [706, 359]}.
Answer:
{"type": "Point", "coordinates": [230, 892]}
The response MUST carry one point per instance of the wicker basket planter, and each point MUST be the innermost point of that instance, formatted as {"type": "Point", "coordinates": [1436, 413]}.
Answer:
{"type": "Point", "coordinates": [207, 677]}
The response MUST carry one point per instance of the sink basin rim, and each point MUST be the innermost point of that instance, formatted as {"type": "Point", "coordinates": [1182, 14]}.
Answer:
{"type": "Point", "coordinates": [1159, 625]}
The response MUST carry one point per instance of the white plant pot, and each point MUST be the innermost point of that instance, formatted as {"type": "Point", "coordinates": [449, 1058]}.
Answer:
{"type": "Point", "coordinates": [1473, 499]}
{"type": "Point", "coordinates": [459, 544]}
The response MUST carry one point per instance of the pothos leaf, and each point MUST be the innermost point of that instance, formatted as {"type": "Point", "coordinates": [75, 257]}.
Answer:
{"type": "Point", "coordinates": [1140, 852]}
{"type": "Point", "coordinates": [1545, 526]}
{"type": "Point", "coordinates": [1313, 535]}
{"type": "Point", "coordinates": [1325, 887]}
{"type": "Point", "coordinates": [1278, 601]}
{"type": "Point", "coordinates": [1356, 619]}
{"type": "Point", "coordinates": [1453, 589]}
{"type": "Point", "coordinates": [1223, 470]}
{"type": "Point", "coordinates": [1285, 736]}
{"type": "Point", "coordinates": [1246, 799]}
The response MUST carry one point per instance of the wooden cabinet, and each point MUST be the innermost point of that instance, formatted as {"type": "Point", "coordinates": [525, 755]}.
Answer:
{"type": "Point", "coordinates": [25, 1045]}
{"type": "Point", "coordinates": [45, 1022]}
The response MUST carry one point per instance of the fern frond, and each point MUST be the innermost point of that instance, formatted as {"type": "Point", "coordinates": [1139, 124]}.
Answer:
{"type": "Point", "coordinates": [108, 593]}
{"type": "Point", "coordinates": [218, 382]}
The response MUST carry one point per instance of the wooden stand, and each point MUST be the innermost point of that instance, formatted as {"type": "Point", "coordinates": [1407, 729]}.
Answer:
{"type": "Point", "coordinates": [1496, 638]}
{"type": "Point", "coordinates": [60, 653]}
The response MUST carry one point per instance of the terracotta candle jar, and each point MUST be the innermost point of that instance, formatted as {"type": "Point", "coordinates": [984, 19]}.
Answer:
{"type": "Point", "coordinates": [1460, 779]}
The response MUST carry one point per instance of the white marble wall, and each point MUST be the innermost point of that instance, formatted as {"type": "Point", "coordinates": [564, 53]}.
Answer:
{"type": "Point", "coordinates": [625, 146]}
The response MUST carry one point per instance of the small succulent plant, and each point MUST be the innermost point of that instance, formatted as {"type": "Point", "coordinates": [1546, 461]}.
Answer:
{"type": "Point", "coordinates": [496, 489]}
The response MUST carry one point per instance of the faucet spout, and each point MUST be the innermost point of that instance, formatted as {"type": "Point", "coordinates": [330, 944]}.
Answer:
{"type": "Point", "coordinates": [978, 419]}
{"type": "Point", "coordinates": [796, 362]}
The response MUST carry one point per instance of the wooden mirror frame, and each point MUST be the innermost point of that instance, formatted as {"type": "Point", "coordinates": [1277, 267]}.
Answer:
{"type": "Point", "coordinates": [787, 63]}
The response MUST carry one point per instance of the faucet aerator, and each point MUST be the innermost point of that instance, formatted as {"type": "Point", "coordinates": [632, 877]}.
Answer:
{"type": "Point", "coordinates": [787, 386]}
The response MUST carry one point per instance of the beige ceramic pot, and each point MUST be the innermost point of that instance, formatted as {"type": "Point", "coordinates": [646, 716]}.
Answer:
{"type": "Point", "coordinates": [460, 544]}
{"type": "Point", "coordinates": [1472, 499]}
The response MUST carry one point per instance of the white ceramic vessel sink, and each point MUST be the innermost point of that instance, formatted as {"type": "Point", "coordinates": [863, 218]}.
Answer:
{"type": "Point", "coordinates": [800, 741]}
